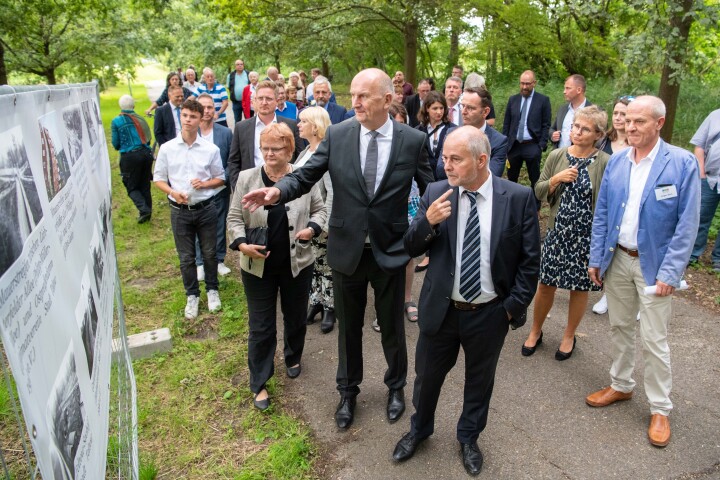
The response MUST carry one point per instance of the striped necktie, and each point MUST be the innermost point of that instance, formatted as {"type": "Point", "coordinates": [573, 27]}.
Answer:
{"type": "Point", "coordinates": [470, 265]}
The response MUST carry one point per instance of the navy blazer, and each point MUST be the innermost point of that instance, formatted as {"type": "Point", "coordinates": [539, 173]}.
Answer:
{"type": "Point", "coordinates": [164, 128]}
{"type": "Point", "coordinates": [498, 154]}
{"type": "Point", "coordinates": [434, 158]}
{"type": "Point", "coordinates": [222, 138]}
{"type": "Point", "coordinates": [242, 148]}
{"type": "Point", "coordinates": [336, 112]}
{"type": "Point", "coordinates": [514, 251]}
{"type": "Point", "coordinates": [538, 119]}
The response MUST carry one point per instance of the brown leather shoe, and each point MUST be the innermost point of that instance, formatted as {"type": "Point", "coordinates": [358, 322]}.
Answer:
{"type": "Point", "coordinates": [606, 396]}
{"type": "Point", "coordinates": [659, 430]}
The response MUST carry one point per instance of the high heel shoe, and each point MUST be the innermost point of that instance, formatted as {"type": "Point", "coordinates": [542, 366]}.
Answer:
{"type": "Point", "coordinates": [560, 356]}
{"type": "Point", "coordinates": [527, 351]}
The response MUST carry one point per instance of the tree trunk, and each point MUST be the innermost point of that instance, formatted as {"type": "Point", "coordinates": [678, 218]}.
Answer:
{"type": "Point", "coordinates": [325, 68]}
{"type": "Point", "coordinates": [411, 35]}
{"type": "Point", "coordinates": [3, 67]}
{"type": "Point", "coordinates": [675, 59]}
{"type": "Point", "coordinates": [454, 53]}
{"type": "Point", "coordinates": [277, 62]}
{"type": "Point", "coordinates": [50, 75]}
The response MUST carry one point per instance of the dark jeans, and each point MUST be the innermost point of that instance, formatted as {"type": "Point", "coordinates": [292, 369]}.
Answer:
{"type": "Point", "coordinates": [350, 302]}
{"type": "Point", "coordinates": [529, 153]}
{"type": "Point", "coordinates": [709, 201]}
{"type": "Point", "coordinates": [481, 333]}
{"type": "Point", "coordinates": [261, 294]}
{"type": "Point", "coordinates": [186, 225]}
{"type": "Point", "coordinates": [136, 174]}
{"type": "Point", "coordinates": [222, 203]}
{"type": "Point", "coordinates": [237, 111]}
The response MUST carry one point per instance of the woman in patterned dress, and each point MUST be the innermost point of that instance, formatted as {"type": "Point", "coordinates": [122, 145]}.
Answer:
{"type": "Point", "coordinates": [569, 183]}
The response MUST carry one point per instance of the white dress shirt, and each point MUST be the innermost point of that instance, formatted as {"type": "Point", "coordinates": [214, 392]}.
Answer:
{"type": "Point", "coordinates": [456, 115]}
{"type": "Point", "coordinates": [259, 127]}
{"type": "Point", "coordinates": [639, 172]}
{"type": "Point", "coordinates": [175, 114]}
{"type": "Point", "coordinates": [434, 135]}
{"type": "Point", "coordinates": [483, 203]}
{"type": "Point", "coordinates": [177, 164]}
{"type": "Point", "coordinates": [384, 141]}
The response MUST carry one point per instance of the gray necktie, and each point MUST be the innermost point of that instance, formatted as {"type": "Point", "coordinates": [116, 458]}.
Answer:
{"type": "Point", "coordinates": [371, 160]}
{"type": "Point", "coordinates": [523, 119]}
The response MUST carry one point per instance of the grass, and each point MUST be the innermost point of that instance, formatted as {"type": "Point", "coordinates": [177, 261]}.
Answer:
{"type": "Point", "coordinates": [195, 414]}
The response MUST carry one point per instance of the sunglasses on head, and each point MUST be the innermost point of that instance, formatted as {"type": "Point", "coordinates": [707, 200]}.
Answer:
{"type": "Point", "coordinates": [627, 98]}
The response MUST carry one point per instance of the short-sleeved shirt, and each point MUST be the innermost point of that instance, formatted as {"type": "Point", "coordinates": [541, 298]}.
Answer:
{"type": "Point", "coordinates": [218, 93]}
{"type": "Point", "coordinates": [707, 136]}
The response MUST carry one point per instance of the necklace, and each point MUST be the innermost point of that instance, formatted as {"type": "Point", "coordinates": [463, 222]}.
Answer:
{"type": "Point", "coordinates": [277, 177]}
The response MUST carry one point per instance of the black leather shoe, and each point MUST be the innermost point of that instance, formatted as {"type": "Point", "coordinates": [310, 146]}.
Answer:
{"type": "Point", "coordinates": [294, 372]}
{"type": "Point", "coordinates": [261, 405]}
{"type": "Point", "coordinates": [396, 404]}
{"type": "Point", "coordinates": [527, 351]}
{"type": "Point", "coordinates": [560, 356]}
{"type": "Point", "coordinates": [145, 217]}
{"type": "Point", "coordinates": [313, 310]}
{"type": "Point", "coordinates": [345, 412]}
{"type": "Point", "coordinates": [328, 320]}
{"type": "Point", "coordinates": [405, 448]}
{"type": "Point", "coordinates": [472, 458]}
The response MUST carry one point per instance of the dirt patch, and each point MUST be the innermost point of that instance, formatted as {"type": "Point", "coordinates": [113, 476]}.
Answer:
{"type": "Point", "coordinates": [202, 328]}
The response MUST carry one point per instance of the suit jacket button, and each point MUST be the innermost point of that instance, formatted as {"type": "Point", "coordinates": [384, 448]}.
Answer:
{"type": "Point", "coordinates": [612, 249]}
{"type": "Point", "coordinates": [287, 209]}
{"type": "Point", "coordinates": [291, 228]}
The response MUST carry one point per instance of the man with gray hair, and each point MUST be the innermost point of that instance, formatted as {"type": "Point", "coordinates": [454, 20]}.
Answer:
{"type": "Point", "coordinates": [646, 217]}
{"type": "Point", "coordinates": [323, 92]}
{"type": "Point", "coordinates": [484, 240]}
{"type": "Point", "coordinates": [131, 137]}
{"type": "Point", "coordinates": [272, 74]}
{"type": "Point", "coordinates": [217, 92]}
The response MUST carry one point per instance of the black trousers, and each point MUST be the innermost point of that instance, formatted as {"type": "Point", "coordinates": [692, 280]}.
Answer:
{"type": "Point", "coordinates": [350, 301]}
{"type": "Point", "coordinates": [186, 225]}
{"type": "Point", "coordinates": [481, 333]}
{"type": "Point", "coordinates": [529, 153]}
{"type": "Point", "coordinates": [261, 294]}
{"type": "Point", "coordinates": [136, 174]}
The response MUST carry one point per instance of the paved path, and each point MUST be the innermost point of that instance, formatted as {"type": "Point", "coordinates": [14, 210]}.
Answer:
{"type": "Point", "coordinates": [539, 426]}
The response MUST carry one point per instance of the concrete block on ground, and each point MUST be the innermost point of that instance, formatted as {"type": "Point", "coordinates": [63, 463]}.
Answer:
{"type": "Point", "coordinates": [146, 344]}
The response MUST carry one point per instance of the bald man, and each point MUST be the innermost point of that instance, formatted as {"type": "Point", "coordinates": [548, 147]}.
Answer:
{"type": "Point", "coordinates": [375, 159]}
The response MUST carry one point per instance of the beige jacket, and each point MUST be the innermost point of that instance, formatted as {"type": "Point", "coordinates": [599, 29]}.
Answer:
{"type": "Point", "coordinates": [308, 208]}
{"type": "Point", "coordinates": [555, 163]}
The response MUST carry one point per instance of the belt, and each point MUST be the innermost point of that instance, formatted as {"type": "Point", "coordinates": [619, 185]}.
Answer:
{"type": "Point", "coordinates": [467, 307]}
{"type": "Point", "coordinates": [196, 206]}
{"type": "Point", "coordinates": [632, 253]}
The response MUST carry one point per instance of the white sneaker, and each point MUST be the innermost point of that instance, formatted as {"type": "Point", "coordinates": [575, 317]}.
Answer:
{"type": "Point", "coordinates": [376, 325]}
{"type": "Point", "coordinates": [201, 273]}
{"type": "Point", "coordinates": [638, 316]}
{"type": "Point", "coordinates": [601, 307]}
{"type": "Point", "coordinates": [223, 269]}
{"type": "Point", "coordinates": [213, 300]}
{"type": "Point", "coordinates": [191, 307]}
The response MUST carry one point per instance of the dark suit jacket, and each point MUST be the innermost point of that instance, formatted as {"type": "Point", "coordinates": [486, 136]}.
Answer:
{"type": "Point", "coordinates": [514, 251]}
{"type": "Point", "coordinates": [498, 154]}
{"type": "Point", "coordinates": [434, 158]}
{"type": "Point", "coordinates": [164, 128]}
{"type": "Point", "coordinates": [354, 215]}
{"type": "Point", "coordinates": [242, 149]}
{"type": "Point", "coordinates": [412, 105]}
{"type": "Point", "coordinates": [222, 138]}
{"type": "Point", "coordinates": [336, 112]}
{"type": "Point", "coordinates": [538, 119]}
{"type": "Point", "coordinates": [560, 118]}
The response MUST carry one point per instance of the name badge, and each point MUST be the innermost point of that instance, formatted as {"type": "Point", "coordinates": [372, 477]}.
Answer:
{"type": "Point", "coordinates": [663, 192]}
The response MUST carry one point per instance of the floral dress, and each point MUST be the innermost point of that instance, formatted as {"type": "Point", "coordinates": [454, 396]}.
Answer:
{"type": "Point", "coordinates": [566, 249]}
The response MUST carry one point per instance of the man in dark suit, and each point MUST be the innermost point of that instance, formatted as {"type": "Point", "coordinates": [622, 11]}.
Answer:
{"type": "Point", "coordinates": [526, 125]}
{"type": "Point", "coordinates": [374, 159]}
{"type": "Point", "coordinates": [167, 117]}
{"type": "Point", "coordinates": [414, 102]}
{"type": "Point", "coordinates": [245, 147]}
{"type": "Point", "coordinates": [484, 241]}
{"type": "Point", "coordinates": [221, 136]}
{"type": "Point", "coordinates": [323, 92]}
{"type": "Point", "coordinates": [574, 93]}
{"type": "Point", "coordinates": [476, 104]}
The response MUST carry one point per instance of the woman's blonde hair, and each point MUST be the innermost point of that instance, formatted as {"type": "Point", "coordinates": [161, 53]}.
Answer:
{"type": "Point", "coordinates": [318, 118]}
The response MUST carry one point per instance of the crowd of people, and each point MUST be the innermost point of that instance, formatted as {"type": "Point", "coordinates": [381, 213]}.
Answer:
{"type": "Point", "coordinates": [343, 198]}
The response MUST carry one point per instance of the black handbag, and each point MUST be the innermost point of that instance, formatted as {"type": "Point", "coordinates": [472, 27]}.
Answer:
{"type": "Point", "coordinates": [257, 236]}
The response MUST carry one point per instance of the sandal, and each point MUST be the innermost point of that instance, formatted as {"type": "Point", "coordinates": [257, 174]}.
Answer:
{"type": "Point", "coordinates": [411, 316]}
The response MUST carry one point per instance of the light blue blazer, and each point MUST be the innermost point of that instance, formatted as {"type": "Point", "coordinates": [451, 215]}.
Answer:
{"type": "Point", "coordinates": [667, 228]}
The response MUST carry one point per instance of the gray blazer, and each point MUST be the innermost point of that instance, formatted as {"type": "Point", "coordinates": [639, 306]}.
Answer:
{"type": "Point", "coordinates": [308, 208]}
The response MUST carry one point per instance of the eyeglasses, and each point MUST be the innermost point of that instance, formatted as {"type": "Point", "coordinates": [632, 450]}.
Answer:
{"type": "Point", "coordinates": [627, 98]}
{"type": "Point", "coordinates": [581, 129]}
{"type": "Point", "coordinates": [273, 150]}
{"type": "Point", "coordinates": [265, 99]}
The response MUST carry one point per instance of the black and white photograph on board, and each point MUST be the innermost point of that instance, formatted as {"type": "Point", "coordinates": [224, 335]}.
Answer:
{"type": "Point", "coordinates": [98, 258]}
{"type": "Point", "coordinates": [72, 119]}
{"type": "Point", "coordinates": [86, 315]}
{"type": "Point", "coordinates": [65, 414]}
{"type": "Point", "coordinates": [89, 122]}
{"type": "Point", "coordinates": [104, 220]}
{"type": "Point", "coordinates": [19, 199]}
{"type": "Point", "coordinates": [55, 164]}
{"type": "Point", "coordinates": [96, 110]}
